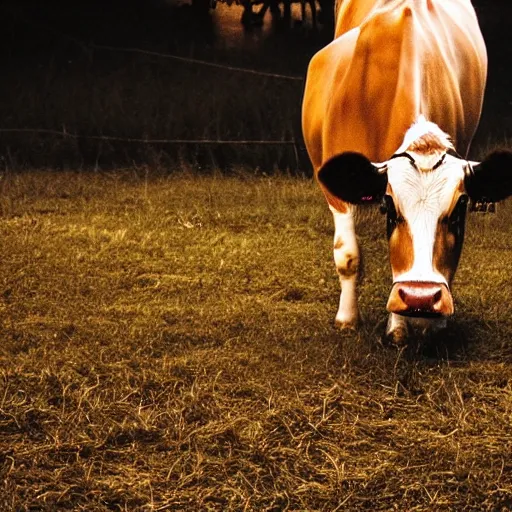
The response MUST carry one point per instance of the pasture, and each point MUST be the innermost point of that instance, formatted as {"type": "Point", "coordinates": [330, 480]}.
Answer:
{"type": "Point", "coordinates": [167, 343]}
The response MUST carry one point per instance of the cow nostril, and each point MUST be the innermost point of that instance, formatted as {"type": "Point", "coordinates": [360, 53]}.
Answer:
{"type": "Point", "coordinates": [420, 299]}
{"type": "Point", "coordinates": [420, 296]}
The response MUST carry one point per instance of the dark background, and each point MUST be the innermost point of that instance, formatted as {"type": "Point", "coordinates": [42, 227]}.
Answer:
{"type": "Point", "coordinates": [56, 76]}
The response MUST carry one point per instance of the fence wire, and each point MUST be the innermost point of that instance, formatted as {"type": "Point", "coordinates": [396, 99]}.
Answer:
{"type": "Point", "coordinates": [198, 61]}
{"type": "Point", "coordinates": [65, 134]}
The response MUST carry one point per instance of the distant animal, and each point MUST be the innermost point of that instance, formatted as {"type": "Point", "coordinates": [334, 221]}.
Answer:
{"type": "Point", "coordinates": [389, 111]}
{"type": "Point", "coordinates": [312, 8]}
{"type": "Point", "coordinates": [256, 18]}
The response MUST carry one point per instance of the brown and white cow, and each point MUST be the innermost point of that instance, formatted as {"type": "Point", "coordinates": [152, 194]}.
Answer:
{"type": "Point", "coordinates": [402, 85]}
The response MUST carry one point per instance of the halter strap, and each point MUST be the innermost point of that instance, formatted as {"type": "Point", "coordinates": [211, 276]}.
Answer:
{"type": "Point", "coordinates": [406, 155]}
{"type": "Point", "coordinates": [440, 162]}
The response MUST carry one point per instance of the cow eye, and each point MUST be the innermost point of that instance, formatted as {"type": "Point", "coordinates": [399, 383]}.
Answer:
{"type": "Point", "coordinates": [388, 206]}
{"type": "Point", "coordinates": [390, 209]}
{"type": "Point", "coordinates": [383, 208]}
{"type": "Point", "coordinates": [459, 213]}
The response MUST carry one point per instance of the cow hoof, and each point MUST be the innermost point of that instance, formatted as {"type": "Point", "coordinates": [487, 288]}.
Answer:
{"type": "Point", "coordinates": [395, 338]}
{"type": "Point", "coordinates": [345, 325]}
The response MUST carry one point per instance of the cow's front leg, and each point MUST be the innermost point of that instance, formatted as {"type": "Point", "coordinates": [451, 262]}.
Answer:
{"type": "Point", "coordinates": [399, 327]}
{"type": "Point", "coordinates": [397, 330]}
{"type": "Point", "coordinates": [346, 259]}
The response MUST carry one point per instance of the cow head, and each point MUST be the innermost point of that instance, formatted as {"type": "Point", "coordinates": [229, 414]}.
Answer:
{"type": "Point", "coordinates": [424, 188]}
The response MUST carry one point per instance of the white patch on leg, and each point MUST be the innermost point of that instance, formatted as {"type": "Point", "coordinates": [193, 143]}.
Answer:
{"type": "Point", "coordinates": [346, 259]}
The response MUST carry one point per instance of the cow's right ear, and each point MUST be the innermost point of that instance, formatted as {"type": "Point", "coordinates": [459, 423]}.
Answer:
{"type": "Point", "coordinates": [491, 179]}
{"type": "Point", "coordinates": [352, 178]}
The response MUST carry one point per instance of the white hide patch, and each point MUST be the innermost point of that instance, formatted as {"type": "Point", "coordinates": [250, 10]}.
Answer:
{"type": "Point", "coordinates": [420, 128]}
{"type": "Point", "coordinates": [423, 196]}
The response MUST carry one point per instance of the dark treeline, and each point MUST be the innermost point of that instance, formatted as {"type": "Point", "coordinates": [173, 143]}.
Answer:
{"type": "Point", "coordinates": [56, 77]}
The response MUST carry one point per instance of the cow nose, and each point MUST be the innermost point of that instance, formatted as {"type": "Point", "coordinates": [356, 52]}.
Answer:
{"type": "Point", "coordinates": [421, 297]}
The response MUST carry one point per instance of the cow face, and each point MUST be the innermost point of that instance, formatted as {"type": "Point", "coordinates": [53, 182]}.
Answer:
{"type": "Point", "coordinates": [424, 189]}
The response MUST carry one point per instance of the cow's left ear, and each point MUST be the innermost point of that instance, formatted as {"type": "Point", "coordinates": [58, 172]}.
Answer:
{"type": "Point", "coordinates": [491, 179]}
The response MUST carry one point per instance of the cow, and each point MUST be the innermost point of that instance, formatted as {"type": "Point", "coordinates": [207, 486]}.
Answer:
{"type": "Point", "coordinates": [389, 110]}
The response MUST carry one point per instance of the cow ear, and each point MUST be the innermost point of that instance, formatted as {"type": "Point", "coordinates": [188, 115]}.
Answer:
{"type": "Point", "coordinates": [352, 178]}
{"type": "Point", "coordinates": [491, 179]}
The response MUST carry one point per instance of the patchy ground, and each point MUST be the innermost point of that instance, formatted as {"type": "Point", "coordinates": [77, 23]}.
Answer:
{"type": "Point", "coordinates": [168, 344]}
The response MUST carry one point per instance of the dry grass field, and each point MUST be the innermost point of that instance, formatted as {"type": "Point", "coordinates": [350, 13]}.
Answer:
{"type": "Point", "coordinates": [167, 343]}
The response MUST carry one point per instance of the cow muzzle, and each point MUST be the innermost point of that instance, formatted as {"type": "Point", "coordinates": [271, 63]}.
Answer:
{"type": "Point", "coordinates": [422, 299]}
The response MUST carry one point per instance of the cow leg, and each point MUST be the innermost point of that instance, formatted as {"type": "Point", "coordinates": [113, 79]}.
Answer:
{"type": "Point", "coordinates": [247, 15]}
{"type": "Point", "coordinates": [274, 8]}
{"type": "Point", "coordinates": [287, 11]}
{"type": "Point", "coordinates": [346, 259]}
{"type": "Point", "coordinates": [312, 6]}
{"type": "Point", "coordinates": [399, 327]}
{"type": "Point", "coordinates": [261, 13]}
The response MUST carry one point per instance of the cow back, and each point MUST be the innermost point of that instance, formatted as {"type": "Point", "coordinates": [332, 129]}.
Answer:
{"type": "Point", "coordinates": [402, 59]}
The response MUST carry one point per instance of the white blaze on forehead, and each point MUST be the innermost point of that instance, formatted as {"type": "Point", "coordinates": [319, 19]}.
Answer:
{"type": "Point", "coordinates": [422, 198]}
{"type": "Point", "coordinates": [421, 128]}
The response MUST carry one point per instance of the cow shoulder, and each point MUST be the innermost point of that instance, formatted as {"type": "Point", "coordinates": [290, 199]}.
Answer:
{"type": "Point", "coordinates": [326, 68]}
{"type": "Point", "coordinates": [378, 96]}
